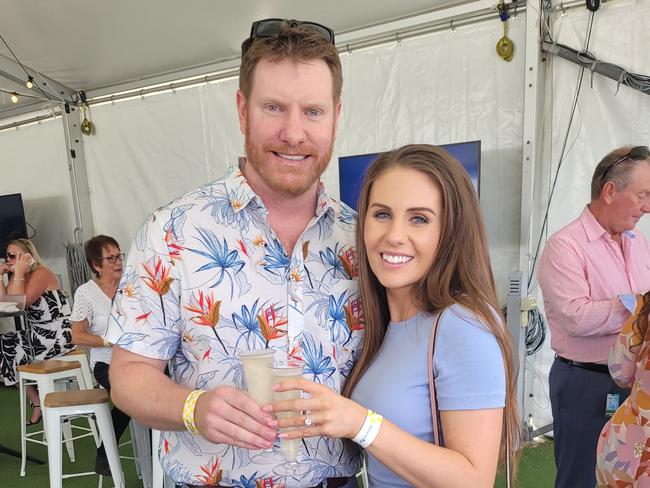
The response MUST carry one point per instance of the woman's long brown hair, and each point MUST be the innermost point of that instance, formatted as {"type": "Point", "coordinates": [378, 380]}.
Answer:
{"type": "Point", "coordinates": [461, 272]}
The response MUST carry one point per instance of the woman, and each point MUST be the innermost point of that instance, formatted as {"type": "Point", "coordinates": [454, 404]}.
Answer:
{"type": "Point", "coordinates": [92, 308]}
{"type": "Point", "coordinates": [422, 251]}
{"type": "Point", "coordinates": [47, 316]}
{"type": "Point", "coordinates": [623, 454]}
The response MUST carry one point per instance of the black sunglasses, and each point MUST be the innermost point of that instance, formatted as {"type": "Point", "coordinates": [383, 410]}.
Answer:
{"type": "Point", "coordinates": [272, 27]}
{"type": "Point", "coordinates": [11, 255]}
{"type": "Point", "coordinates": [638, 153]}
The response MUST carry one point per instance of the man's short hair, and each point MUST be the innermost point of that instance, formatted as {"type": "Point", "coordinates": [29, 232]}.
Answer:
{"type": "Point", "coordinates": [609, 170]}
{"type": "Point", "coordinates": [297, 42]}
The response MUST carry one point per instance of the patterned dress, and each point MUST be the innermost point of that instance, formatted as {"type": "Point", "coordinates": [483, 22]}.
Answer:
{"type": "Point", "coordinates": [623, 456]}
{"type": "Point", "coordinates": [48, 334]}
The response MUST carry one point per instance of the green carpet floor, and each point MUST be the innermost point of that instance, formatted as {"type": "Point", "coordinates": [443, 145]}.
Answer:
{"type": "Point", "coordinates": [537, 469]}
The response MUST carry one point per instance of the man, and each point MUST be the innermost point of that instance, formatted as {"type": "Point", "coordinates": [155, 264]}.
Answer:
{"type": "Point", "coordinates": [262, 258]}
{"type": "Point", "coordinates": [585, 273]}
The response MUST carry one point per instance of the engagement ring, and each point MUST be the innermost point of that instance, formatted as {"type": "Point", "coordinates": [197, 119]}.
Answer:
{"type": "Point", "coordinates": [308, 421]}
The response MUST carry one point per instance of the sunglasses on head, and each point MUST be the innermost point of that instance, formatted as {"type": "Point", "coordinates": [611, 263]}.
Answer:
{"type": "Point", "coordinates": [638, 153]}
{"type": "Point", "coordinates": [272, 27]}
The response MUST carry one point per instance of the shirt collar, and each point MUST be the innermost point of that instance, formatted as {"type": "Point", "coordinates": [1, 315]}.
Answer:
{"type": "Point", "coordinates": [593, 228]}
{"type": "Point", "coordinates": [241, 193]}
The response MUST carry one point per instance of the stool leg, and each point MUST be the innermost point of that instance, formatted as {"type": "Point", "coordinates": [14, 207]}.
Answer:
{"type": "Point", "coordinates": [23, 429]}
{"type": "Point", "coordinates": [83, 385]}
{"type": "Point", "coordinates": [67, 430]}
{"type": "Point", "coordinates": [54, 457]}
{"type": "Point", "coordinates": [110, 444]}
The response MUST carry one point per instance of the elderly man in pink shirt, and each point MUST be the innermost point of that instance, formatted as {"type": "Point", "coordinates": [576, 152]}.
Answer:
{"type": "Point", "coordinates": [587, 272]}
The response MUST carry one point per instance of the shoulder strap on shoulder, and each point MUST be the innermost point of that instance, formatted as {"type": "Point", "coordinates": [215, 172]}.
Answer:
{"type": "Point", "coordinates": [432, 383]}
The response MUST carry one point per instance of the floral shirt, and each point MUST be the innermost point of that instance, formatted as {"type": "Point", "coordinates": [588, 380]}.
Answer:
{"type": "Point", "coordinates": [623, 455]}
{"type": "Point", "coordinates": [207, 277]}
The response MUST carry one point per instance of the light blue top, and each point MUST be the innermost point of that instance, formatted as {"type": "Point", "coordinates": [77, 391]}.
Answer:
{"type": "Point", "coordinates": [468, 371]}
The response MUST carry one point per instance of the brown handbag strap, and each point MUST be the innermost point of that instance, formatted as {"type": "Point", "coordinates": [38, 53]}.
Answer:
{"type": "Point", "coordinates": [432, 383]}
{"type": "Point", "coordinates": [434, 403]}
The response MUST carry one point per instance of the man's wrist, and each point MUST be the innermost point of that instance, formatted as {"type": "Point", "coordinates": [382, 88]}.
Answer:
{"type": "Point", "coordinates": [189, 410]}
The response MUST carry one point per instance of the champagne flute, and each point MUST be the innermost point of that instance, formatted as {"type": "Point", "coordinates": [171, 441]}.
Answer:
{"type": "Point", "coordinates": [291, 467]}
{"type": "Point", "coordinates": [259, 380]}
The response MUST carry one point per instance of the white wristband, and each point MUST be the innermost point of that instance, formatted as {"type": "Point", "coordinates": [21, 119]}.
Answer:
{"type": "Point", "coordinates": [369, 429]}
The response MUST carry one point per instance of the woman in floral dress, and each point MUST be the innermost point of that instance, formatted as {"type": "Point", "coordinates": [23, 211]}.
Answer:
{"type": "Point", "coordinates": [47, 315]}
{"type": "Point", "coordinates": [623, 456]}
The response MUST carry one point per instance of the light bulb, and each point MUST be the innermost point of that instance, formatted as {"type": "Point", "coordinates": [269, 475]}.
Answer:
{"type": "Point", "coordinates": [14, 98]}
{"type": "Point", "coordinates": [29, 83]}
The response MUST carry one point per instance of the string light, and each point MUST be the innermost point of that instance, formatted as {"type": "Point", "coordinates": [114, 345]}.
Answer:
{"type": "Point", "coordinates": [14, 97]}
{"type": "Point", "coordinates": [30, 82]}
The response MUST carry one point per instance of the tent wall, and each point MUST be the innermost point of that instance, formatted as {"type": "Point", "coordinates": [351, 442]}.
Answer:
{"type": "Point", "coordinates": [442, 88]}
{"type": "Point", "coordinates": [604, 120]}
{"type": "Point", "coordinates": [33, 162]}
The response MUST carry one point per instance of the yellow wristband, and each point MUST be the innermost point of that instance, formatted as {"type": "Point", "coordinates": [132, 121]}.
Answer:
{"type": "Point", "coordinates": [188, 410]}
{"type": "Point", "coordinates": [106, 343]}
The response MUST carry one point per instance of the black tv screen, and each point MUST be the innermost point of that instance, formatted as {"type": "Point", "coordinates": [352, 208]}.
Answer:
{"type": "Point", "coordinates": [12, 218]}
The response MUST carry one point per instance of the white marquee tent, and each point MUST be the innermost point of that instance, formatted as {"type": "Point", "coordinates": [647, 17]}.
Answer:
{"type": "Point", "coordinates": [414, 71]}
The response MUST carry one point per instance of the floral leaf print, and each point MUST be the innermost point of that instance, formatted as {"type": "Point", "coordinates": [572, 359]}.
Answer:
{"type": "Point", "coordinates": [270, 322]}
{"type": "Point", "coordinates": [316, 363]}
{"type": "Point", "coordinates": [219, 257]}
{"type": "Point", "coordinates": [227, 208]}
{"type": "Point", "coordinates": [206, 309]}
{"type": "Point", "coordinates": [248, 321]}
{"type": "Point", "coordinates": [158, 276]}
{"type": "Point", "coordinates": [268, 483]}
{"type": "Point", "coordinates": [330, 258]}
{"type": "Point", "coordinates": [212, 472]}
{"type": "Point", "coordinates": [128, 339]}
{"type": "Point", "coordinates": [174, 225]}
{"type": "Point", "coordinates": [276, 260]}
{"type": "Point", "coordinates": [336, 317]}
{"type": "Point", "coordinates": [168, 343]}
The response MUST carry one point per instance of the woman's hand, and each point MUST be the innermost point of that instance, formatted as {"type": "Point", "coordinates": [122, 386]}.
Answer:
{"type": "Point", "coordinates": [5, 268]}
{"type": "Point", "coordinates": [22, 265]}
{"type": "Point", "coordinates": [330, 414]}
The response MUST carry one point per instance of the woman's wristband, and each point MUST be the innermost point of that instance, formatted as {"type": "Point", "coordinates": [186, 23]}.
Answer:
{"type": "Point", "coordinates": [369, 430]}
{"type": "Point", "coordinates": [18, 278]}
{"type": "Point", "coordinates": [188, 410]}
{"type": "Point", "coordinates": [106, 343]}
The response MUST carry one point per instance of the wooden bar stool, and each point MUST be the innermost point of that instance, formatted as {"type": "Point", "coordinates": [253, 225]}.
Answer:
{"type": "Point", "coordinates": [62, 405]}
{"type": "Point", "coordinates": [47, 376]}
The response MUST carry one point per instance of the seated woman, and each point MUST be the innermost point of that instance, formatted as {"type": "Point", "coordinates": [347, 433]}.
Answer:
{"type": "Point", "coordinates": [92, 308]}
{"type": "Point", "coordinates": [623, 454]}
{"type": "Point", "coordinates": [423, 258]}
{"type": "Point", "coordinates": [47, 315]}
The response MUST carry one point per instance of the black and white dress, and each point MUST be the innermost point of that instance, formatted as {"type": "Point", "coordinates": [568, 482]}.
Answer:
{"type": "Point", "coordinates": [48, 335]}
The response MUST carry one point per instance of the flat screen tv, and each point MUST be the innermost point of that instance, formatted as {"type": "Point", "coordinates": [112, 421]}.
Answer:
{"type": "Point", "coordinates": [353, 168]}
{"type": "Point", "coordinates": [12, 218]}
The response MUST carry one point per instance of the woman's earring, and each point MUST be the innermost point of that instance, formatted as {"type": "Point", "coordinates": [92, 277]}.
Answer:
{"type": "Point", "coordinates": [100, 274]}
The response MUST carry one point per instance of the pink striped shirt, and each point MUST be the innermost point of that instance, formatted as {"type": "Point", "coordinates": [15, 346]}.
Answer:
{"type": "Point", "coordinates": [582, 272]}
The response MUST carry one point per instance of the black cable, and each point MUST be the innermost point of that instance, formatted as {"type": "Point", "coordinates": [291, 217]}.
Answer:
{"type": "Point", "coordinates": [535, 330]}
{"type": "Point", "coordinates": [26, 72]}
{"type": "Point", "coordinates": [18, 94]}
{"type": "Point", "coordinates": [562, 155]}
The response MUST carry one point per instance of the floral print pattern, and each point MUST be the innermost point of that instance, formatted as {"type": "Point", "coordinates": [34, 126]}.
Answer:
{"type": "Point", "coordinates": [623, 455]}
{"type": "Point", "coordinates": [206, 277]}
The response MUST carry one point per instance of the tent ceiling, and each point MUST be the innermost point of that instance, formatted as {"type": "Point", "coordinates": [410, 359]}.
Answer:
{"type": "Point", "coordinates": [91, 45]}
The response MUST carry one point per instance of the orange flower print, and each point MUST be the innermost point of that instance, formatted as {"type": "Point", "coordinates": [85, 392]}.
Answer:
{"type": "Point", "coordinates": [173, 248]}
{"type": "Point", "coordinates": [270, 322]}
{"type": "Point", "coordinates": [207, 310]}
{"type": "Point", "coordinates": [158, 278]}
{"type": "Point", "coordinates": [212, 472]}
{"type": "Point", "coordinates": [354, 317]}
{"type": "Point", "coordinates": [268, 483]}
{"type": "Point", "coordinates": [349, 262]}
